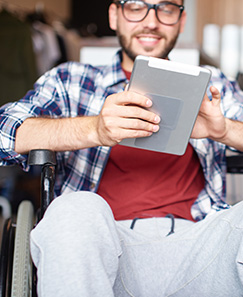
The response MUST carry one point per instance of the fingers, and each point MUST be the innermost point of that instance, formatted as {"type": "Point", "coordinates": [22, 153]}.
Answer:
{"type": "Point", "coordinates": [130, 105]}
{"type": "Point", "coordinates": [130, 98]}
{"type": "Point", "coordinates": [136, 112]}
{"type": "Point", "coordinates": [119, 134]}
{"type": "Point", "coordinates": [134, 120]}
{"type": "Point", "coordinates": [137, 125]}
{"type": "Point", "coordinates": [215, 92]}
{"type": "Point", "coordinates": [215, 95]}
{"type": "Point", "coordinates": [126, 115]}
{"type": "Point", "coordinates": [214, 101]}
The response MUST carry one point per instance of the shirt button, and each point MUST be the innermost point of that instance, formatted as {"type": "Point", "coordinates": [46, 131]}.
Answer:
{"type": "Point", "coordinates": [92, 186]}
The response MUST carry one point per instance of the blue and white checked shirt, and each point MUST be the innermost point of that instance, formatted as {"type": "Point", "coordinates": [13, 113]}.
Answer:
{"type": "Point", "coordinates": [73, 89]}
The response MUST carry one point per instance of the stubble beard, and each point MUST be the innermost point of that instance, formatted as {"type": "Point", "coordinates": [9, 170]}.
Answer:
{"type": "Point", "coordinates": [127, 47]}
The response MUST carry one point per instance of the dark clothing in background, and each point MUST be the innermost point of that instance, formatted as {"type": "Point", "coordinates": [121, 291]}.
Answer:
{"type": "Point", "coordinates": [17, 60]}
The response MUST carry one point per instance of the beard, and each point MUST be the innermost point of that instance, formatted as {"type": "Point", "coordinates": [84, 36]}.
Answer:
{"type": "Point", "coordinates": [127, 47]}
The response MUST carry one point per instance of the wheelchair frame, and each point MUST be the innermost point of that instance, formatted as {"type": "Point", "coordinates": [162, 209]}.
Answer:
{"type": "Point", "coordinates": [17, 275]}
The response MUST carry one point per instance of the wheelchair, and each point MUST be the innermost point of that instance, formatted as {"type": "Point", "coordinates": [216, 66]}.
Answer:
{"type": "Point", "coordinates": [17, 274]}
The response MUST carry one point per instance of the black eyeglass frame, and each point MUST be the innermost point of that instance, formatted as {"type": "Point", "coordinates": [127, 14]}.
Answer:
{"type": "Point", "coordinates": [151, 6]}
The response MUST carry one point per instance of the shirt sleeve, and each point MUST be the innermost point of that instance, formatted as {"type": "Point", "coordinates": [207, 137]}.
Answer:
{"type": "Point", "coordinates": [49, 98]}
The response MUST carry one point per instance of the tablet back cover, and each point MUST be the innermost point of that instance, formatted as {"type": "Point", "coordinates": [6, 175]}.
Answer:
{"type": "Point", "coordinates": [177, 91]}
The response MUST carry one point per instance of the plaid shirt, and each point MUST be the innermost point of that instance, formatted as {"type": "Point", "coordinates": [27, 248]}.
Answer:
{"type": "Point", "coordinates": [73, 89]}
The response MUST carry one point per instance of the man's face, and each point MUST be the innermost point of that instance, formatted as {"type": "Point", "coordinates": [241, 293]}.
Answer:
{"type": "Point", "coordinates": [148, 37]}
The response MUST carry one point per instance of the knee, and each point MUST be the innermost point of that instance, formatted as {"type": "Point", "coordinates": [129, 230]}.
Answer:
{"type": "Point", "coordinates": [80, 204]}
{"type": "Point", "coordinates": [72, 218]}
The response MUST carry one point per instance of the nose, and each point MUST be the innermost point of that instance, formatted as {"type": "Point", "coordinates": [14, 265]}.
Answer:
{"type": "Point", "coordinates": [151, 21]}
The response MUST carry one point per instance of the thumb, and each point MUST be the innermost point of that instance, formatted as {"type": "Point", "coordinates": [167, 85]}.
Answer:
{"type": "Point", "coordinates": [215, 95]}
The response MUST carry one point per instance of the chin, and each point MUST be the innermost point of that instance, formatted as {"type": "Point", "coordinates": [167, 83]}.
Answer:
{"type": "Point", "coordinates": [152, 52]}
{"type": "Point", "coordinates": [155, 55]}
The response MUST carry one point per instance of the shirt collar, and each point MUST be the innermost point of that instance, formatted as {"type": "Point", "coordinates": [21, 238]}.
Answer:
{"type": "Point", "coordinates": [113, 74]}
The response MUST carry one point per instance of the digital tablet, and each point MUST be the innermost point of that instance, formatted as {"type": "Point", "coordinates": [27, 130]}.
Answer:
{"type": "Point", "coordinates": [177, 91]}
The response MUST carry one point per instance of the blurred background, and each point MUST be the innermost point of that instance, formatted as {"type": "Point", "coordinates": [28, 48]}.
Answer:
{"type": "Point", "coordinates": [214, 28]}
{"type": "Point", "coordinates": [38, 35]}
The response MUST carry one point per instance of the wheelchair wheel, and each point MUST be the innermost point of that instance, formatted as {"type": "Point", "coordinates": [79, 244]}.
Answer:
{"type": "Point", "coordinates": [22, 265]}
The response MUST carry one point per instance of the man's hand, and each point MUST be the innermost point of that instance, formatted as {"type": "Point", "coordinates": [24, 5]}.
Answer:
{"type": "Point", "coordinates": [210, 122]}
{"type": "Point", "coordinates": [125, 115]}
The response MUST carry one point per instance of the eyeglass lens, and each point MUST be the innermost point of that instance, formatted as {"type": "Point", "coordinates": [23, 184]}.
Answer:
{"type": "Point", "coordinates": [136, 11]}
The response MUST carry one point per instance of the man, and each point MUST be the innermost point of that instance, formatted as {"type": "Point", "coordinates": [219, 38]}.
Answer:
{"type": "Point", "coordinates": [154, 246]}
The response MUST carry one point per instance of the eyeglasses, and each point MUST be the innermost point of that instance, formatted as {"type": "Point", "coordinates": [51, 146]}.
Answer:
{"type": "Point", "coordinates": [167, 13]}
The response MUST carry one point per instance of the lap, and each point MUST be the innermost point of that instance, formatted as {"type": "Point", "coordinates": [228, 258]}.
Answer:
{"type": "Point", "coordinates": [203, 257]}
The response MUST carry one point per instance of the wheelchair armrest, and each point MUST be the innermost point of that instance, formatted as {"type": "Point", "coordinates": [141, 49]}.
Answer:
{"type": "Point", "coordinates": [235, 163]}
{"type": "Point", "coordinates": [47, 160]}
{"type": "Point", "coordinates": [42, 157]}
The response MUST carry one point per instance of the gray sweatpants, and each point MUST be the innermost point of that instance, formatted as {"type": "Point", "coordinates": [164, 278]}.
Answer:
{"type": "Point", "coordinates": [80, 250]}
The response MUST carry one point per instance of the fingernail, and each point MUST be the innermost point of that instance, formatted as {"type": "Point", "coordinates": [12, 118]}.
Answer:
{"type": "Point", "coordinates": [157, 119]}
{"type": "Point", "coordinates": [148, 103]}
{"type": "Point", "coordinates": [156, 128]}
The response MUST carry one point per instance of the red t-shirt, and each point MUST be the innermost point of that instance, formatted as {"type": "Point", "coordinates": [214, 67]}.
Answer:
{"type": "Point", "coordinates": [139, 183]}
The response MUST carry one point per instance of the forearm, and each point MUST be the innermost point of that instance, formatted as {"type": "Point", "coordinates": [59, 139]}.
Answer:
{"type": "Point", "coordinates": [123, 116]}
{"type": "Point", "coordinates": [57, 134]}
